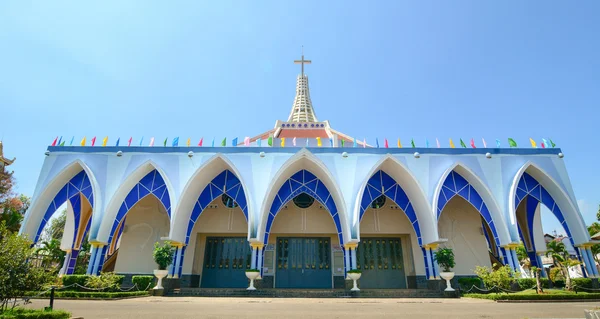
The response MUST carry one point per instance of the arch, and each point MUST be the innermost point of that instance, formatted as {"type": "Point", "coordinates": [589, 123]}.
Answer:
{"type": "Point", "coordinates": [533, 182]}
{"type": "Point", "coordinates": [224, 183]}
{"type": "Point", "coordinates": [303, 160]}
{"type": "Point", "coordinates": [409, 185]}
{"type": "Point", "coordinates": [114, 206]}
{"type": "Point", "coordinates": [56, 192]}
{"type": "Point", "coordinates": [303, 182]}
{"type": "Point", "coordinates": [459, 180]}
{"type": "Point", "coordinates": [199, 181]}
{"type": "Point", "coordinates": [383, 184]}
{"type": "Point", "coordinates": [151, 184]}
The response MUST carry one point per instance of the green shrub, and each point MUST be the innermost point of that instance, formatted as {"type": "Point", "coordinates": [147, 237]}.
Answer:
{"type": "Point", "coordinates": [534, 296]}
{"type": "Point", "coordinates": [527, 283]}
{"type": "Point", "coordinates": [143, 282]}
{"type": "Point", "coordinates": [467, 283]}
{"type": "Point", "coordinates": [502, 277]}
{"type": "Point", "coordinates": [555, 274]}
{"type": "Point", "coordinates": [445, 259]}
{"type": "Point", "coordinates": [107, 281]}
{"type": "Point", "coordinates": [582, 282]}
{"type": "Point", "coordinates": [163, 255]}
{"type": "Point", "coordinates": [354, 271]}
{"type": "Point", "coordinates": [69, 280]}
{"type": "Point", "coordinates": [95, 294]}
{"type": "Point", "coordinates": [20, 313]}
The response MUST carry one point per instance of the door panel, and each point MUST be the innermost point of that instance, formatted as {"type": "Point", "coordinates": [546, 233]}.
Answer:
{"type": "Point", "coordinates": [303, 263]}
{"type": "Point", "coordinates": [225, 262]}
{"type": "Point", "coordinates": [381, 263]}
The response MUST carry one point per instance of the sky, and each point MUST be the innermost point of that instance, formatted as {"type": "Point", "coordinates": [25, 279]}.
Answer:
{"type": "Point", "coordinates": [386, 69]}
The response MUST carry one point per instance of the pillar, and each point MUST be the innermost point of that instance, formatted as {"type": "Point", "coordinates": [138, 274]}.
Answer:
{"type": "Point", "coordinates": [93, 250]}
{"type": "Point", "coordinates": [430, 275]}
{"type": "Point", "coordinates": [539, 260]}
{"type": "Point", "coordinates": [253, 258]}
{"type": "Point", "coordinates": [509, 257]}
{"type": "Point", "coordinates": [65, 266]}
{"type": "Point", "coordinates": [99, 259]}
{"type": "Point", "coordinates": [260, 259]}
{"type": "Point", "coordinates": [586, 260]}
{"type": "Point", "coordinates": [347, 258]}
{"type": "Point", "coordinates": [515, 259]}
{"type": "Point", "coordinates": [178, 260]}
{"type": "Point", "coordinates": [353, 256]}
{"type": "Point", "coordinates": [436, 267]}
{"type": "Point", "coordinates": [592, 260]}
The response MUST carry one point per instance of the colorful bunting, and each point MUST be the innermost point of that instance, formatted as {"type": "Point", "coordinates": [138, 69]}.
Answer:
{"type": "Point", "coordinates": [533, 144]}
{"type": "Point", "coordinates": [175, 142]}
{"type": "Point", "coordinates": [427, 143]}
{"type": "Point", "coordinates": [377, 142]}
{"type": "Point", "coordinates": [399, 143]}
{"type": "Point", "coordinates": [141, 141]}
{"type": "Point", "coordinates": [512, 142]}
{"type": "Point", "coordinates": [118, 140]}
{"type": "Point", "coordinates": [188, 142]}
{"type": "Point", "coordinates": [224, 142]}
{"type": "Point", "coordinates": [72, 139]}
{"type": "Point", "coordinates": [462, 143]}
{"type": "Point", "coordinates": [294, 141]}
{"type": "Point", "coordinates": [54, 142]}
{"type": "Point", "coordinates": [93, 141]}
{"type": "Point", "coordinates": [497, 143]}
{"type": "Point", "coordinates": [545, 143]}
{"type": "Point", "coordinates": [412, 143]}
{"type": "Point", "coordinates": [483, 141]}
{"type": "Point", "coordinates": [385, 143]}
{"type": "Point", "coordinates": [234, 142]}
{"type": "Point", "coordinates": [83, 141]}
{"type": "Point", "coordinates": [437, 142]}
{"type": "Point", "coordinates": [129, 142]}
{"type": "Point", "coordinates": [551, 143]}
{"type": "Point", "coordinates": [270, 141]}
{"type": "Point", "coordinates": [62, 143]}
{"type": "Point", "coordinates": [451, 143]}
{"type": "Point", "coordinates": [104, 141]}
{"type": "Point", "coordinates": [247, 141]}
{"type": "Point", "coordinates": [343, 142]}
{"type": "Point", "coordinates": [151, 141]}
{"type": "Point", "coordinates": [354, 144]}
{"type": "Point", "coordinates": [330, 142]}
{"type": "Point", "coordinates": [213, 142]}
{"type": "Point", "coordinates": [319, 144]}
{"type": "Point", "coordinates": [165, 141]}
{"type": "Point", "coordinates": [473, 143]}
{"type": "Point", "coordinates": [283, 142]}
{"type": "Point", "coordinates": [201, 141]}
{"type": "Point", "coordinates": [59, 141]}
{"type": "Point", "coordinates": [259, 142]}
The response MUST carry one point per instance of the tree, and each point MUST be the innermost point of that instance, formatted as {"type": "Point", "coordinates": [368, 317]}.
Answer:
{"type": "Point", "coordinates": [17, 274]}
{"type": "Point", "coordinates": [52, 255]}
{"type": "Point", "coordinates": [538, 283]}
{"type": "Point", "coordinates": [57, 226]}
{"type": "Point", "coordinates": [593, 229]}
{"type": "Point", "coordinates": [13, 210]}
{"type": "Point", "coordinates": [560, 257]}
{"type": "Point", "coordinates": [522, 255]}
{"type": "Point", "coordinates": [6, 183]}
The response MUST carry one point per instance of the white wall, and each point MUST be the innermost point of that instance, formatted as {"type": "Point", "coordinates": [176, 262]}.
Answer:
{"type": "Point", "coordinates": [461, 224]}
{"type": "Point", "coordinates": [146, 223]}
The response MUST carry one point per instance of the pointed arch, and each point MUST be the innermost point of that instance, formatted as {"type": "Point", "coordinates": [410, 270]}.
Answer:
{"type": "Point", "coordinates": [74, 181]}
{"type": "Point", "coordinates": [459, 180]}
{"type": "Point", "coordinates": [207, 174]}
{"type": "Point", "coordinates": [400, 179]}
{"type": "Point", "coordinates": [532, 182]}
{"type": "Point", "coordinates": [304, 160]}
{"type": "Point", "coordinates": [146, 179]}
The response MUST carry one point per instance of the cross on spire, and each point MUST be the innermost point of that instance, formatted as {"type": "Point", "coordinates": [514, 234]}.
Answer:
{"type": "Point", "coordinates": [302, 61]}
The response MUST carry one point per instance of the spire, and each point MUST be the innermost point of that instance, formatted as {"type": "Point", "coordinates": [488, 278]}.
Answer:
{"type": "Point", "coordinates": [302, 109]}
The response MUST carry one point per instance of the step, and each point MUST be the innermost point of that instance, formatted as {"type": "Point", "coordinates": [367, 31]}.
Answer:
{"type": "Point", "coordinates": [307, 293]}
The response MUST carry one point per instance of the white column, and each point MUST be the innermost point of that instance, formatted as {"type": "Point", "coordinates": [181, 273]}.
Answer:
{"type": "Point", "coordinates": [436, 267]}
{"type": "Point", "coordinates": [177, 262]}
{"type": "Point", "coordinates": [586, 261]}
{"type": "Point", "coordinates": [592, 261]}
{"type": "Point", "coordinates": [347, 258]}
{"type": "Point", "coordinates": [353, 252]}
{"type": "Point", "coordinates": [93, 251]}
{"type": "Point", "coordinates": [515, 259]}
{"type": "Point", "coordinates": [63, 270]}
{"type": "Point", "coordinates": [97, 260]}
{"type": "Point", "coordinates": [260, 259]}
{"type": "Point", "coordinates": [253, 261]}
{"type": "Point", "coordinates": [429, 264]}
{"type": "Point", "coordinates": [539, 261]}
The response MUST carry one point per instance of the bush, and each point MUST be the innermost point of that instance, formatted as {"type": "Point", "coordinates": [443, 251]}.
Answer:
{"type": "Point", "coordinates": [555, 274]}
{"type": "Point", "coordinates": [527, 283]}
{"type": "Point", "coordinates": [582, 282]}
{"type": "Point", "coordinates": [502, 277]}
{"type": "Point", "coordinates": [20, 313]}
{"type": "Point", "coordinates": [467, 283]}
{"type": "Point", "coordinates": [163, 255]}
{"type": "Point", "coordinates": [69, 280]}
{"type": "Point", "coordinates": [106, 281]}
{"type": "Point", "coordinates": [95, 294]}
{"type": "Point", "coordinates": [445, 259]}
{"type": "Point", "coordinates": [534, 296]}
{"type": "Point", "coordinates": [142, 282]}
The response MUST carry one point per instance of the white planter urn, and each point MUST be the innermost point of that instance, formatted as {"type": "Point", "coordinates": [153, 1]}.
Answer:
{"type": "Point", "coordinates": [354, 276]}
{"type": "Point", "coordinates": [447, 276]}
{"type": "Point", "coordinates": [252, 275]}
{"type": "Point", "coordinates": [160, 274]}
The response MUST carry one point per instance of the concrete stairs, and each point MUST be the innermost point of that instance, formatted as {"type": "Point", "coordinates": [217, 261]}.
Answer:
{"type": "Point", "coordinates": [307, 293]}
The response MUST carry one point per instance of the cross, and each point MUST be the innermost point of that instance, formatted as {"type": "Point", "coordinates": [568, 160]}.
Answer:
{"type": "Point", "coordinates": [302, 61]}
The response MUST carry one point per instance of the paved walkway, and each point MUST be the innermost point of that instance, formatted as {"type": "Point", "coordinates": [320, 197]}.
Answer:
{"type": "Point", "coordinates": [196, 307]}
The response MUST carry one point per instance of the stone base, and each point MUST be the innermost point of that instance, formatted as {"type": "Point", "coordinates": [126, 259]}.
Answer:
{"type": "Point", "coordinates": [595, 283]}
{"type": "Point", "coordinates": [416, 282]}
{"type": "Point", "coordinates": [190, 281]}
{"type": "Point", "coordinates": [158, 292]}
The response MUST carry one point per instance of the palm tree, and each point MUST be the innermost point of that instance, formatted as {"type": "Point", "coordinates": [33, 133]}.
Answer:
{"type": "Point", "coordinates": [52, 254]}
{"type": "Point", "coordinates": [560, 257]}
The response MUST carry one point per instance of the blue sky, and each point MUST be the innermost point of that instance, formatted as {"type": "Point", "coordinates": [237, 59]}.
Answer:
{"type": "Point", "coordinates": [420, 69]}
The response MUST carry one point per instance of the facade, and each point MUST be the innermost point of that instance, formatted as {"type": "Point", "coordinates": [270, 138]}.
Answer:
{"type": "Point", "coordinates": [304, 203]}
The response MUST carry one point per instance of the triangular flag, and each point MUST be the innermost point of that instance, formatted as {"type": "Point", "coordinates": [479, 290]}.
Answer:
{"type": "Point", "coordinates": [247, 141]}
{"type": "Point", "coordinates": [294, 141]}
{"type": "Point", "coordinates": [259, 142]}
{"type": "Point", "coordinates": [412, 142]}
{"type": "Point", "coordinates": [201, 141]}
{"type": "Point", "coordinates": [497, 143]}
{"type": "Point", "coordinates": [118, 140]}
{"type": "Point", "coordinates": [307, 142]}
{"type": "Point", "coordinates": [473, 143]}
{"type": "Point", "coordinates": [377, 142]}
{"type": "Point", "coordinates": [234, 142]}
{"type": "Point", "coordinates": [385, 143]}
{"type": "Point", "coordinates": [399, 143]}
{"type": "Point", "coordinates": [72, 139]}
{"type": "Point", "coordinates": [283, 142]}
{"type": "Point", "coordinates": [330, 142]}
{"type": "Point", "coordinates": [451, 144]}
{"type": "Point", "coordinates": [141, 140]}
{"type": "Point", "coordinates": [188, 142]}
{"type": "Point", "coordinates": [270, 140]}
{"type": "Point", "coordinates": [512, 142]}
{"type": "Point", "coordinates": [151, 141]}
{"type": "Point", "coordinates": [54, 142]}
{"type": "Point", "coordinates": [483, 141]}
{"type": "Point", "coordinates": [129, 142]}
{"type": "Point", "coordinates": [62, 143]}
{"type": "Point", "coordinates": [93, 141]}
{"type": "Point", "coordinates": [83, 141]}
{"type": "Point", "coordinates": [354, 144]}
{"type": "Point", "coordinates": [175, 141]}
{"type": "Point", "coordinates": [104, 141]}
{"type": "Point", "coordinates": [165, 141]}
{"type": "Point", "coordinates": [224, 142]}
{"type": "Point", "coordinates": [427, 143]}
{"type": "Point", "coordinates": [533, 144]}
{"type": "Point", "coordinates": [319, 142]}
{"type": "Point", "coordinates": [59, 141]}
{"type": "Point", "coordinates": [213, 142]}
{"type": "Point", "coordinates": [545, 143]}
{"type": "Point", "coordinates": [364, 143]}
{"type": "Point", "coordinates": [437, 142]}
{"type": "Point", "coordinates": [551, 143]}
{"type": "Point", "coordinates": [462, 143]}
{"type": "Point", "coordinates": [342, 140]}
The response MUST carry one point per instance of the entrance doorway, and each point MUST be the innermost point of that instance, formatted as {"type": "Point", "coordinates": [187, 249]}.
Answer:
{"type": "Point", "coordinates": [381, 263]}
{"type": "Point", "coordinates": [303, 263]}
{"type": "Point", "coordinates": [225, 262]}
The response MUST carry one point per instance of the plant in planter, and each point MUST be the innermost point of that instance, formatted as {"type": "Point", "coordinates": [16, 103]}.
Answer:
{"type": "Point", "coordinates": [163, 256]}
{"type": "Point", "coordinates": [354, 274]}
{"type": "Point", "coordinates": [252, 274]}
{"type": "Point", "coordinates": [445, 259]}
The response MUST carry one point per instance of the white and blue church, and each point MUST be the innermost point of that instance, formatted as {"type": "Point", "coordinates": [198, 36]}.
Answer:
{"type": "Point", "coordinates": [305, 213]}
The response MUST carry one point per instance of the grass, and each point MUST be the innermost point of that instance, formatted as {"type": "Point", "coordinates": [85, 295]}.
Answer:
{"type": "Point", "coordinates": [549, 294]}
{"type": "Point", "coordinates": [94, 295]}
{"type": "Point", "coordinates": [20, 313]}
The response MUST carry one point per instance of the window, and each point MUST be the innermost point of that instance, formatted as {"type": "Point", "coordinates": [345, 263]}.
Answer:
{"type": "Point", "coordinates": [378, 202]}
{"type": "Point", "coordinates": [228, 201]}
{"type": "Point", "coordinates": [303, 200]}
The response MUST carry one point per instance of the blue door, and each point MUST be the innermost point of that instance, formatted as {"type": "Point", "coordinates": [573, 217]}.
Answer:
{"type": "Point", "coordinates": [381, 263]}
{"type": "Point", "coordinates": [225, 262]}
{"type": "Point", "coordinates": [303, 263]}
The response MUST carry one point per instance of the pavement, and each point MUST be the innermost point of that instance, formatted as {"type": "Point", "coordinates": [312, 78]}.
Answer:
{"type": "Point", "coordinates": [307, 308]}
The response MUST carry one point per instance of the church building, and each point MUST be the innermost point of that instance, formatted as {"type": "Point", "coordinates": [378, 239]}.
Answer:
{"type": "Point", "coordinates": [304, 204]}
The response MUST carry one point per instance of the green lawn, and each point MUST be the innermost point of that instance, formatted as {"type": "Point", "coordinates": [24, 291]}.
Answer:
{"type": "Point", "coordinates": [549, 294]}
